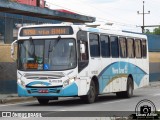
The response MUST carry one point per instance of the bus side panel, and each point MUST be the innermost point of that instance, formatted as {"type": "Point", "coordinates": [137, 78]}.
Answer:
{"type": "Point", "coordinates": [115, 76]}
{"type": "Point", "coordinates": [143, 80]}
{"type": "Point", "coordinates": [119, 72]}
{"type": "Point", "coordinates": [123, 66]}
{"type": "Point", "coordinates": [104, 76]}
{"type": "Point", "coordinates": [82, 87]}
{"type": "Point", "coordinates": [83, 81]}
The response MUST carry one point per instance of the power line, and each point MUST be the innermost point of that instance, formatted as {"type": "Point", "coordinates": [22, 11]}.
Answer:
{"type": "Point", "coordinates": [143, 13]}
{"type": "Point", "coordinates": [66, 8]}
{"type": "Point", "coordinates": [104, 20]}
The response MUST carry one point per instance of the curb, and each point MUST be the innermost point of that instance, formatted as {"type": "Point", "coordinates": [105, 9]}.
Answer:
{"type": "Point", "coordinates": [17, 99]}
{"type": "Point", "coordinates": [154, 84]}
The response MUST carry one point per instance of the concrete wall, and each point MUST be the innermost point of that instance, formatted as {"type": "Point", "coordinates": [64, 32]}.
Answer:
{"type": "Point", "coordinates": [154, 43]}
{"type": "Point", "coordinates": [7, 71]}
{"type": "Point", "coordinates": [154, 66]}
{"type": "Point", "coordinates": [154, 59]}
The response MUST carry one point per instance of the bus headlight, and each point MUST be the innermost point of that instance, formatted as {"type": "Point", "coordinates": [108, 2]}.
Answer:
{"type": "Point", "coordinates": [21, 82]}
{"type": "Point", "coordinates": [68, 82]}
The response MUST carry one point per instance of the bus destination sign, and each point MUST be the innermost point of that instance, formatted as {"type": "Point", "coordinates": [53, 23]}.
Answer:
{"type": "Point", "coordinates": [45, 31]}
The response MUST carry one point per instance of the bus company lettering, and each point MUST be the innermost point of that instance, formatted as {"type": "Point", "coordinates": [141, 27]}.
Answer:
{"type": "Point", "coordinates": [119, 70]}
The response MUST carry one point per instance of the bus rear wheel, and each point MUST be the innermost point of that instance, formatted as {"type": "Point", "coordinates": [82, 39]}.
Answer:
{"type": "Point", "coordinates": [129, 92]}
{"type": "Point", "coordinates": [43, 101]}
{"type": "Point", "coordinates": [91, 96]}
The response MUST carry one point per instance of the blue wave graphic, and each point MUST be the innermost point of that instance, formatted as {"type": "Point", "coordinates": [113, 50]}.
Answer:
{"type": "Point", "coordinates": [119, 68]}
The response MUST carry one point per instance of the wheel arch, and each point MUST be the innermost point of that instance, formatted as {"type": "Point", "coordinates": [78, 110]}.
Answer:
{"type": "Point", "coordinates": [95, 79]}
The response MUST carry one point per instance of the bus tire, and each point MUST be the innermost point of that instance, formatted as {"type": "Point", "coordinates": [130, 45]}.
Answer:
{"type": "Point", "coordinates": [43, 101]}
{"type": "Point", "coordinates": [91, 96]}
{"type": "Point", "coordinates": [129, 92]}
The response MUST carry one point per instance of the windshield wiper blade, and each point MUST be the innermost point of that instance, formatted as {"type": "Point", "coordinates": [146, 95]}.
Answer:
{"type": "Point", "coordinates": [50, 49]}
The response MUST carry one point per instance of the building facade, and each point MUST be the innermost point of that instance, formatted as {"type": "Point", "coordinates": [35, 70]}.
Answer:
{"type": "Point", "coordinates": [154, 57]}
{"type": "Point", "coordinates": [10, 23]}
{"type": "Point", "coordinates": [15, 14]}
{"type": "Point", "coordinates": [38, 3]}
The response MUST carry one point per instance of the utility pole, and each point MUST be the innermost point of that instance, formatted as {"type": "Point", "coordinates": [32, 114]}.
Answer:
{"type": "Point", "coordinates": [143, 13]}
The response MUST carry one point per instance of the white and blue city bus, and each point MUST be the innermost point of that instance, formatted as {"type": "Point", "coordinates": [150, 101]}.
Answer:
{"type": "Point", "coordinates": [62, 60]}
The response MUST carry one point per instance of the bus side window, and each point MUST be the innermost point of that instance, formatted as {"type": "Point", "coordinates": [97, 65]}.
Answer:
{"type": "Point", "coordinates": [105, 46]}
{"type": "Point", "coordinates": [94, 45]}
{"type": "Point", "coordinates": [130, 48]}
{"type": "Point", "coordinates": [138, 52]}
{"type": "Point", "coordinates": [114, 46]}
{"type": "Point", "coordinates": [144, 49]}
{"type": "Point", "coordinates": [122, 47]}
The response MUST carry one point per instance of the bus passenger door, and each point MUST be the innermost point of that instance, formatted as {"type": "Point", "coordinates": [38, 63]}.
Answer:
{"type": "Point", "coordinates": [83, 61]}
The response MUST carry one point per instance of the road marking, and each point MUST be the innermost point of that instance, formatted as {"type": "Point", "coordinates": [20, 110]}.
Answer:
{"type": "Point", "coordinates": [114, 101]}
{"type": "Point", "coordinates": [156, 94]}
{"type": "Point", "coordinates": [62, 110]}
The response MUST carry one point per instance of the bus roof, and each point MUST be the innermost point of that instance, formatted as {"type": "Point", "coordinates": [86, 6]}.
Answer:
{"type": "Point", "coordinates": [91, 29]}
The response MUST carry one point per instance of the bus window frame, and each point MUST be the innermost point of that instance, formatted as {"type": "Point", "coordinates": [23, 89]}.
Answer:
{"type": "Point", "coordinates": [111, 45]}
{"type": "Point", "coordinates": [99, 48]}
{"type": "Point", "coordinates": [125, 46]}
{"type": "Point", "coordinates": [145, 49]}
{"type": "Point", "coordinates": [136, 55]}
{"type": "Point", "coordinates": [133, 46]}
{"type": "Point", "coordinates": [109, 49]}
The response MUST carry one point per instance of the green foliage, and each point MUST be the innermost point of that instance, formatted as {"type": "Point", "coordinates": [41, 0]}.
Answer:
{"type": "Point", "coordinates": [156, 31]}
{"type": "Point", "coordinates": [147, 31]}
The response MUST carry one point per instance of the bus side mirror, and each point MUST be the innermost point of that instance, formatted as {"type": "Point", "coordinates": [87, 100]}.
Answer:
{"type": "Point", "coordinates": [12, 49]}
{"type": "Point", "coordinates": [82, 48]}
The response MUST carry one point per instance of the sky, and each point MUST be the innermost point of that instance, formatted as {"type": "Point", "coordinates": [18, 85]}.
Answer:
{"type": "Point", "coordinates": [122, 13]}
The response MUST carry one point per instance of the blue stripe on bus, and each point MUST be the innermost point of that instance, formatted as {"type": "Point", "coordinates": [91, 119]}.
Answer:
{"type": "Point", "coordinates": [93, 29]}
{"type": "Point", "coordinates": [117, 69]}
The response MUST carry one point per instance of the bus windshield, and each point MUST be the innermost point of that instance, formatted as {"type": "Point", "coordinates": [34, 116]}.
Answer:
{"type": "Point", "coordinates": [51, 54]}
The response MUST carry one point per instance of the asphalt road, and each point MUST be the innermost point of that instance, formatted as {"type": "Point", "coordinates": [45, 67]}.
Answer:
{"type": "Point", "coordinates": [74, 107]}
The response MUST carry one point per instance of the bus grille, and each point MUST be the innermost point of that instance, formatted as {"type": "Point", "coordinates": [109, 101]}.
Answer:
{"type": "Point", "coordinates": [44, 76]}
{"type": "Point", "coordinates": [52, 90]}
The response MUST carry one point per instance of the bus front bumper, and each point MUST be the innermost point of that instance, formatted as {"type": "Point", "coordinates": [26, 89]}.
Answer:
{"type": "Point", "coordinates": [70, 90]}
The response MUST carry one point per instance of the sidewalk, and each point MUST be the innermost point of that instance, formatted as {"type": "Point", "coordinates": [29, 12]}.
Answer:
{"type": "Point", "coordinates": [12, 98]}
{"type": "Point", "coordinates": [154, 84]}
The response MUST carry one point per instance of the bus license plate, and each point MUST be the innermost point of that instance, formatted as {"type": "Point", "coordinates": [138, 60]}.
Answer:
{"type": "Point", "coordinates": [43, 91]}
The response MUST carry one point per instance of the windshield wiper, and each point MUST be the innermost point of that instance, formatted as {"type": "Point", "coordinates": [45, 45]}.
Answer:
{"type": "Point", "coordinates": [50, 49]}
{"type": "Point", "coordinates": [34, 55]}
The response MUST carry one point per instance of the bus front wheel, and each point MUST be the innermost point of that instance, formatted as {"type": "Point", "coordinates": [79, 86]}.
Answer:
{"type": "Point", "coordinates": [91, 96]}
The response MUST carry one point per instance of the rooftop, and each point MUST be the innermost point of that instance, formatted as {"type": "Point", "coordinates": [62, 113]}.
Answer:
{"type": "Point", "coordinates": [22, 9]}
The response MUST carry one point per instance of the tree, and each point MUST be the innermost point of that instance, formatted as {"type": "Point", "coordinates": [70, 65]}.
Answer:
{"type": "Point", "coordinates": [156, 31]}
{"type": "Point", "coordinates": [147, 31]}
